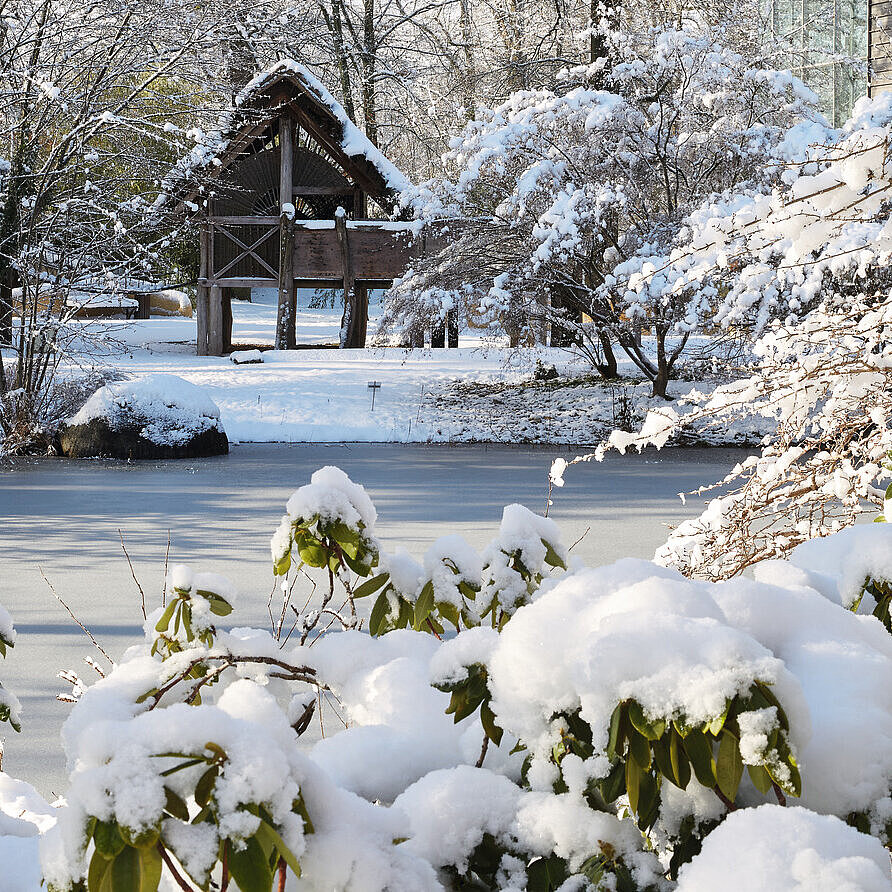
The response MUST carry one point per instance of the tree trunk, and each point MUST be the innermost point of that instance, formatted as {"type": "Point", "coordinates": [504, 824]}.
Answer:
{"type": "Point", "coordinates": [608, 368]}
{"type": "Point", "coordinates": [369, 65]}
{"type": "Point", "coordinates": [337, 29]}
{"type": "Point", "coordinates": [469, 77]}
{"type": "Point", "coordinates": [664, 368]}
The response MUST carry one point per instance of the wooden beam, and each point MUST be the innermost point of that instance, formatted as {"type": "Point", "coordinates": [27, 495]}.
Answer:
{"type": "Point", "coordinates": [244, 221]}
{"type": "Point", "coordinates": [286, 330]}
{"type": "Point", "coordinates": [338, 191]}
{"type": "Point", "coordinates": [244, 282]}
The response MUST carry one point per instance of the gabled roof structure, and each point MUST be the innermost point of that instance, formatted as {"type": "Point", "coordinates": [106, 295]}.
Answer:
{"type": "Point", "coordinates": [286, 86]}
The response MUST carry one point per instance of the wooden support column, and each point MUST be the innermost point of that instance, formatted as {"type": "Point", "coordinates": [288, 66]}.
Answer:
{"type": "Point", "coordinates": [352, 326]}
{"type": "Point", "coordinates": [286, 328]}
{"type": "Point", "coordinates": [215, 321]}
{"type": "Point", "coordinates": [201, 298]}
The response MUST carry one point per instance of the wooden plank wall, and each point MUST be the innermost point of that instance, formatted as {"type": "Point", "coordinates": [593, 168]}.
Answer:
{"type": "Point", "coordinates": [880, 46]}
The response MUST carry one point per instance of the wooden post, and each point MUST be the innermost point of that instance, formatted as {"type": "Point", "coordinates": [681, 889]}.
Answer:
{"type": "Point", "coordinates": [350, 322]}
{"type": "Point", "coordinates": [215, 321]}
{"type": "Point", "coordinates": [286, 329]}
{"type": "Point", "coordinates": [201, 301]}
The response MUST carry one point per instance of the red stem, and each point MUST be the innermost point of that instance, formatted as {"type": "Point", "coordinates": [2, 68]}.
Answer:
{"type": "Point", "coordinates": [173, 871]}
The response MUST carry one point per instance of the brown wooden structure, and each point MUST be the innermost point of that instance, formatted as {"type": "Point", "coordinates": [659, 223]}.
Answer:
{"type": "Point", "coordinates": [284, 203]}
{"type": "Point", "coordinates": [879, 46]}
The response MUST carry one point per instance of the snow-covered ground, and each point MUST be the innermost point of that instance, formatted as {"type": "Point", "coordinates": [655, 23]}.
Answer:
{"type": "Point", "coordinates": [481, 392]}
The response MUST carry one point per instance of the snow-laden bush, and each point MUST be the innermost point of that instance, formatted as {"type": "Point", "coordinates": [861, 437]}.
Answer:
{"type": "Point", "coordinates": [10, 708]}
{"type": "Point", "coordinates": [804, 266]}
{"type": "Point", "coordinates": [548, 196]}
{"type": "Point", "coordinates": [620, 728]}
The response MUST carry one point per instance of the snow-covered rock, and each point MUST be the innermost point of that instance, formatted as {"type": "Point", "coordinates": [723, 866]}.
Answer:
{"type": "Point", "coordinates": [159, 416]}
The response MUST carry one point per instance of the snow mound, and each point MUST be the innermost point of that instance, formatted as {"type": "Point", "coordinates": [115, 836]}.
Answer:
{"type": "Point", "coordinates": [169, 410]}
{"type": "Point", "coordinates": [844, 561]}
{"type": "Point", "coordinates": [757, 849]}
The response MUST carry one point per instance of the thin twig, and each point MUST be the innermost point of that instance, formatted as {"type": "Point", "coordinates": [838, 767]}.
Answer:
{"type": "Point", "coordinates": [142, 594]}
{"type": "Point", "coordinates": [87, 632]}
{"type": "Point", "coordinates": [166, 559]}
{"type": "Point", "coordinates": [587, 531]}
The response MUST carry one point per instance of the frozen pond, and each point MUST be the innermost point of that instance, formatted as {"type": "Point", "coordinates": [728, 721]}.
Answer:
{"type": "Point", "coordinates": [63, 517]}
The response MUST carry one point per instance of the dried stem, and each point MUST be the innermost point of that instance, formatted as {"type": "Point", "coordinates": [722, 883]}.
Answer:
{"type": "Point", "coordinates": [483, 750]}
{"type": "Point", "coordinates": [142, 594]}
{"type": "Point", "coordinates": [86, 631]}
{"type": "Point", "coordinates": [166, 559]}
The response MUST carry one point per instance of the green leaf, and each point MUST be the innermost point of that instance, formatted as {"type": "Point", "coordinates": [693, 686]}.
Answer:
{"type": "Point", "coordinates": [648, 801]}
{"type": "Point", "coordinates": [614, 785]}
{"type": "Point", "coordinates": [98, 869]}
{"type": "Point", "coordinates": [423, 605]}
{"type": "Point", "coordinates": [274, 840]}
{"type": "Point", "coordinates": [140, 839]}
{"type": "Point", "coordinates": [205, 785]}
{"type": "Point", "coordinates": [450, 613]}
{"type": "Point", "coordinates": [546, 874]}
{"type": "Point", "coordinates": [379, 614]}
{"type": "Point", "coordinates": [135, 870]}
{"type": "Point", "coordinates": [362, 564]}
{"type": "Point", "coordinates": [715, 726]}
{"type": "Point", "coordinates": [164, 621]}
{"type": "Point", "coordinates": [681, 767]}
{"type": "Point", "coordinates": [639, 748]}
{"type": "Point", "coordinates": [108, 839]}
{"type": "Point", "coordinates": [283, 565]}
{"type": "Point", "coordinates": [652, 730]}
{"type": "Point", "coordinates": [370, 586]}
{"type": "Point", "coordinates": [467, 590]}
{"type": "Point", "coordinates": [175, 805]}
{"type": "Point", "coordinates": [219, 606]}
{"type": "Point", "coordinates": [728, 765]}
{"type": "Point", "coordinates": [250, 868]}
{"type": "Point", "coordinates": [699, 751]}
{"type": "Point", "coordinates": [551, 556]}
{"type": "Point", "coordinates": [633, 783]}
{"type": "Point", "coordinates": [615, 742]}
{"type": "Point", "coordinates": [299, 807]}
{"type": "Point", "coordinates": [488, 719]}
{"type": "Point", "coordinates": [313, 554]}
{"type": "Point", "coordinates": [760, 777]}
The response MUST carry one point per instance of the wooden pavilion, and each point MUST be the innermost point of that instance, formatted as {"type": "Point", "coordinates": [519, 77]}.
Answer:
{"type": "Point", "coordinates": [284, 195]}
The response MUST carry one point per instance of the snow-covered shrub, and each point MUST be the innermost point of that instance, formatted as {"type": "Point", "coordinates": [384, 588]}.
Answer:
{"type": "Point", "coordinates": [547, 197]}
{"type": "Point", "coordinates": [10, 708]}
{"type": "Point", "coordinates": [805, 267]}
{"type": "Point", "coordinates": [622, 729]}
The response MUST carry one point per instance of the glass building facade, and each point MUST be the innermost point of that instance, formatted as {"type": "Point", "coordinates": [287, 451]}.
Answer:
{"type": "Point", "coordinates": [829, 45]}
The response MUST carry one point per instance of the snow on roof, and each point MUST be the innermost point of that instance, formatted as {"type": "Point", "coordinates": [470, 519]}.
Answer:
{"type": "Point", "coordinates": [212, 145]}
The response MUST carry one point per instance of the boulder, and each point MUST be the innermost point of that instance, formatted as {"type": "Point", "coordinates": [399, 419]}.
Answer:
{"type": "Point", "coordinates": [158, 416]}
